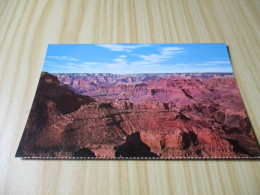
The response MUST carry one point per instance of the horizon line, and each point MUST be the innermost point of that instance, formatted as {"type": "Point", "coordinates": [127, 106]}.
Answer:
{"type": "Point", "coordinates": [138, 73]}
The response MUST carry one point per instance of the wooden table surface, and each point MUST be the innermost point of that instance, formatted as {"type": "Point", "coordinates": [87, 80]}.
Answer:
{"type": "Point", "coordinates": [26, 27]}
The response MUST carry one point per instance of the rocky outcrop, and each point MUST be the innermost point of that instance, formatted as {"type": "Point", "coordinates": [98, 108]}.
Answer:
{"type": "Point", "coordinates": [51, 100]}
{"type": "Point", "coordinates": [84, 152]}
{"type": "Point", "coordinates": [134, 147]}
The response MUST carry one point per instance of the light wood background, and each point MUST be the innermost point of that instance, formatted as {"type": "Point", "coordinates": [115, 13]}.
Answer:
{"type": "Point", "coordinates": [26, 27]}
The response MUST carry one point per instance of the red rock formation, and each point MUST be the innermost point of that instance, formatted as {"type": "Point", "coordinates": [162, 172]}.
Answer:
{"type": "Point", "coordinates": [165, 115]}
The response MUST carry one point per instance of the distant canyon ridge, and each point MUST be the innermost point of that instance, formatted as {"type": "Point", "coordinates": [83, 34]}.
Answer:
{"type": "Point", "coordinates": [184, 115]}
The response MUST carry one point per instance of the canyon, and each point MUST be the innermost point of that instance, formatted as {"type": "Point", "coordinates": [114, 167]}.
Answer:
{"type": "Point", "coordinates": [163, 115]}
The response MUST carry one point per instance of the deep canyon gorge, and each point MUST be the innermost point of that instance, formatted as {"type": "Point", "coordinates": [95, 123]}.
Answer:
{"type": "Point", "coordinates": [186, 115]}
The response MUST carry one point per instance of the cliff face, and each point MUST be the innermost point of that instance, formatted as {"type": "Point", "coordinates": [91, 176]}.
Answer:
{"type": "Point", "coordinates": [51, 101]}
{"type": "Point", "coordinates": [157, 115]}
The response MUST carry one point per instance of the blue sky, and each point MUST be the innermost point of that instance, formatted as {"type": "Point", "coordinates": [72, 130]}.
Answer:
{"type": "Point", "coordinates": [136, 58]}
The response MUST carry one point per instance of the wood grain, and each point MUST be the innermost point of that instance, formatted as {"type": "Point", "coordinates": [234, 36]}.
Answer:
{"type": "Point", "coordinates": [26, 27]}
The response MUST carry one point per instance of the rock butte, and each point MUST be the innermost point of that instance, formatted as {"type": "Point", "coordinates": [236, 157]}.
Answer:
{"type": "Point", "coordinates": [138, 115]}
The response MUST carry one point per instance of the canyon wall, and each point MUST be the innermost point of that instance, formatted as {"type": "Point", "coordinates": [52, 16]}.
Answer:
{"type": "Point", "coordinates": [138, 115]}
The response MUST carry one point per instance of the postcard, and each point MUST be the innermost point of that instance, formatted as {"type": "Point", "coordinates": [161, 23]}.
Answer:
{"type": "Point", "coordinates": [138, 101]}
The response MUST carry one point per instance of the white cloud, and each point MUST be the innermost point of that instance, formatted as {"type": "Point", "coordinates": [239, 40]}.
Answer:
{"type": "Point", "coordinates": [63, 58]}
{"type": "Point", "coordinates": [71, 64]}
{"type": "Point", "coordinates": [122, 56]}
{"type": "Point", "coordinates": [122, 47]}
{"type": "Point", "coordinates": [165, 53]}
{"type": "Point", "coordinates": [155, 58]}
{"type": "Point", "coordinates": [119, 60]}
{"type": "Point", "coordinates": [90, 63]}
